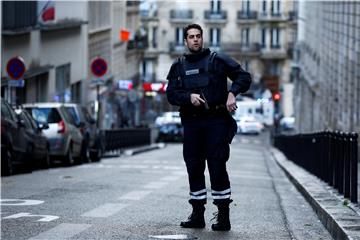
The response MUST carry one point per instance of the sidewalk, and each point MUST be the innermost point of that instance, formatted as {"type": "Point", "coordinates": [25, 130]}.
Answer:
{"type": "Point", "coordinates": [339, 216]}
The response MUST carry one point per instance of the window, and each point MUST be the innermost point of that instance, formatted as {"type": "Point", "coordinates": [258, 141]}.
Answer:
{"type": "Point", "coordinates": [62, 83]}
{"type": "Point", "coordinates": [245, 65]}
{"type": "Point", "coordinates": [146, 70]}
{"type": "Point", "coordinates": [215, 5]}
{"type": "Point", "coordinates": [263, 37]}
{"type": "Point", "coordinates": [154, 37]}
{"type": "Point", "coordinates": [100, 14]}
{"type": "Point", "coordinates": [245, 6]}
{"type": "Point", "coordinates": [245, 32]}
{"type": "Point", "coordinates": [275, 7]}
{"type": "Point", "coordinates": [264, 7]}
{"type": "Point", "coordinates": [179, 36]}
{"type": "Point", "coordinates": [275, 38]}
{"type": "Point", "coordinates": [214, 36]}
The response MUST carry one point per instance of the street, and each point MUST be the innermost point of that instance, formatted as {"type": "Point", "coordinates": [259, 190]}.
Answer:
{"type": "Point", "coordinates": [145, 197]}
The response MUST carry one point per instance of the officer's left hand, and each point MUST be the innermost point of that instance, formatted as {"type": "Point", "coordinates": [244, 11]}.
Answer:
{"type": "Point", "coordinates": [231, 102]}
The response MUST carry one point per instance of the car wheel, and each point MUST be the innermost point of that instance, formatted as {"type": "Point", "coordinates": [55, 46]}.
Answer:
{"type": "Point", "coordinates": [69, 159]}
{"type": "Point", "coordinates": [85, 153]}
{"type": "Point", "coordinates": [95, 155]}
{"type": "Point", "coordinates": [29, 159]}
{"type": "Point", "coordinates": [46, 160]}
{"type": "Point", "coordinates": [6, 162]}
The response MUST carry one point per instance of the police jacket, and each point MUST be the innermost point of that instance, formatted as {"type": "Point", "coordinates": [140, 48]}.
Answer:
{"type": "Point", "coordinates": [204, 73]}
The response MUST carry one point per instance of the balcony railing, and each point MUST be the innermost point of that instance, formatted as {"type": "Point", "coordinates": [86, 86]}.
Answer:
{"type": "Point", "coordinates": [146, 14]}
{"type": "Point", "coordinates": [271, 16]}
{"type": "Point", "coordinates": [181, 14]}
{"type": "Point", "coordinates": [176, 48]}
{"type": "Point", "coordinates": [247, 15]}
{"type": "Point", "coordinates": [273, 52]}
{"type": "Point", "coordinates": [215, 16]}
{"type": "Point", "coordinates": [293, 15]}
{"type": "Point", "coordinates": [137, 44]}
{"type": "Point", "coordinates": [249, 48]}
{"type": "Point", "coordinates": [19, 15]}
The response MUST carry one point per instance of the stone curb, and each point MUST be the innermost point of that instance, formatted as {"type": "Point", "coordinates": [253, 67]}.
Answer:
{"type": "Point", "coordinates": [340, 220]}
{"type": "Point", "coordinates": [130, 152]}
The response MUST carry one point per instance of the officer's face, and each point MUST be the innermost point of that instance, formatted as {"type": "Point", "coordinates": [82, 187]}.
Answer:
{"type": "Point", "coordinates": [194, 40]}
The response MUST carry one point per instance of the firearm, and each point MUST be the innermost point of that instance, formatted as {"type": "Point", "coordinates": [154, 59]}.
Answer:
{"type": "Point", "coordinates": [206, 105]}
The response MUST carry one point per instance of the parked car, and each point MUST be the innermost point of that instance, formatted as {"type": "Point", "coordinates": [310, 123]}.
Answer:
{"type": "Point", "coordinates": [40, 145]}
{"type": "Point", "coordinates": [64, 137]}
{"type": "Point", "coordinates": [168, 117]}
{"type": "Point", "coordinates": [92, 144]}
{"type": "Point", "coordinates": [15, 145]}
{"type": "Point", "coordinates": [287, 123]}
{"type": "Point", "coordinates": [249, 125]}
{"type": "Point", "coordinates": [171, 132]}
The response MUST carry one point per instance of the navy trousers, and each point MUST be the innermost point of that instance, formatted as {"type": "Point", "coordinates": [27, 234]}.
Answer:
{"type": "Point", "coordinates": [205, 141]}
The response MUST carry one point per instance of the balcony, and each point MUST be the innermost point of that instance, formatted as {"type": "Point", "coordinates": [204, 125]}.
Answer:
{"type": "Point", "coordinates": [274, 52]}
{"type": "Point", "coordinates": [176, 48]}
{"type": "Point", "coordinates": [181, 16]}
{"type": "Point", "coordinates": [147, 15]}
{"type": "Point", "coordinates": [140, 44]}
{"type": "Point", "coordinates": [246, 16]}
{"type": "Point", "coordinates": [215, 17]}
{"type": "Point", "coordinates": [272, 17]}
{"type": "Point", "coordinates": [18, 17]}
{"type": "Point", "coordinates": [293, 16]}
{"type": "Point", "coordinates": [250, 49]}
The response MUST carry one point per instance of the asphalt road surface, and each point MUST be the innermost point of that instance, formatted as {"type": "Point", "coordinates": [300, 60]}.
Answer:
{"type": "Point", "coordinates": [145, 197]}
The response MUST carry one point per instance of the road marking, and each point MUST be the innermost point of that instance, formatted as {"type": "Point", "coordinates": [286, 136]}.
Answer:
{"type": "Point", "coordinates": [19, 202]}
{"type": "Point", "coordinates": [135, 195]}
{"type": "Point", "coordinates": [156, 185]}
{"type": "Point", "coordinates": [180, 236]}
{"type": "Point", "coordinates": [61, 231]}
{"type": "Point", "coordinates": [44, 218]}
{"type": "Point", "coordinates": [105, 210]}
{"type": "Point", "coordinates": [170, 178]}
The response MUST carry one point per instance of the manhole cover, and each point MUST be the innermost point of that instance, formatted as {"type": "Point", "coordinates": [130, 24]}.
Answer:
{"type": "Point", "coordinates": [173, 237]}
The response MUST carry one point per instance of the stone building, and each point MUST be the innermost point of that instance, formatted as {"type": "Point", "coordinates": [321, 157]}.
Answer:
{"type": "Point", "coordinates": [327, 67]}
{"type": "Point", "coordinates": [258, 34]}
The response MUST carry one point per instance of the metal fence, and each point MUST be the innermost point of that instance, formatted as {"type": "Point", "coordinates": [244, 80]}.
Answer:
{"type": "Point", "coordinates": [331, 156]}
{"type": "Point", "coordinates": [116, 139]}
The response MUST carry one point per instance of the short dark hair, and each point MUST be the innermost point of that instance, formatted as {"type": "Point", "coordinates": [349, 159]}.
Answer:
{"type": "Point", "coordinates": [190, 26]}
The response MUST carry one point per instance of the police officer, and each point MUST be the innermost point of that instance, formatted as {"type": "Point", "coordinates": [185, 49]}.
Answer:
{"type": "Point", "coordinates": [198, 84]}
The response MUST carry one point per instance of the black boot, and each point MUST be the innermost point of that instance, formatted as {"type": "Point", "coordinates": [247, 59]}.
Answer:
{"type": "Point", "coordinates": [196, 219]}
{"type": "Point", "coordinates": [222, 217]}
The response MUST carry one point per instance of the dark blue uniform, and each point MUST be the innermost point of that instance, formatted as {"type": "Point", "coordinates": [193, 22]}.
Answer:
{"type": "Point", "coordinates": [207, 129]}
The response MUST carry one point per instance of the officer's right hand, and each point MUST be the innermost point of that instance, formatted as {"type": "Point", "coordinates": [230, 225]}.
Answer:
{"type": "Point", "coordinates": [196, 100]}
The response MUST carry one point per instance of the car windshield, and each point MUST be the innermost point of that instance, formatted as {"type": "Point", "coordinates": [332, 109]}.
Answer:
{"type": "Point", "coordinates": [43, 115]}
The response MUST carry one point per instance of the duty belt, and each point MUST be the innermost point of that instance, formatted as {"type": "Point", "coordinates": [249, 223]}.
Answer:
{"type": "Point", "coordinates": [213, 111]}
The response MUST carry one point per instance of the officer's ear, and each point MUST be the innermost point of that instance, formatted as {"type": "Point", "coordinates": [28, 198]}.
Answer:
{"type": "Point", "coordinates": [185, 42]}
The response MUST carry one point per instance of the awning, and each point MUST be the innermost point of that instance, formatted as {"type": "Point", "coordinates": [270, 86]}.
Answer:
{"type": "Point", "coordinates": [37, 71]}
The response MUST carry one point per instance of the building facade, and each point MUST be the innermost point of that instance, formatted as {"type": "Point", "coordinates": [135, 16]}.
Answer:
{"type": "Point", "coordinates": [58, 40]}
{"type": "Point", "coordinates": [327, 67]}
{"type": "Point", "coordinates": [49, 38]}
{"type": "Point", "coordinates": [260, 35]}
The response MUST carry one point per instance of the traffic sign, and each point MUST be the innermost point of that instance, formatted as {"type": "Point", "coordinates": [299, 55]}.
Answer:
{"type": "Point", "coordinates": [15, 68]}
{"type": "Point", "coordinates": [17, 83]}
{"type": "Point", "coordinates": [98, 66]}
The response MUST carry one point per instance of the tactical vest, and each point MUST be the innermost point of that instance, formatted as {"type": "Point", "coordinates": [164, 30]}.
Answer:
{"type": "Point", "coordinates": [195, 75]}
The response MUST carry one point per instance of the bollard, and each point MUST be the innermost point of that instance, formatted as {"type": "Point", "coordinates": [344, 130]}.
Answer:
{"type": "Point", "coordinates": [354, 167]}
{"type": "Point", "coordinates": [341, 163]}
{"type": "Point", "coordinates": [347, 156]}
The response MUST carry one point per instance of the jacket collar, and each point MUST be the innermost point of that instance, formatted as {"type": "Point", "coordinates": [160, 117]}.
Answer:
{"type": "Point", "coordinates": [193, 57]}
